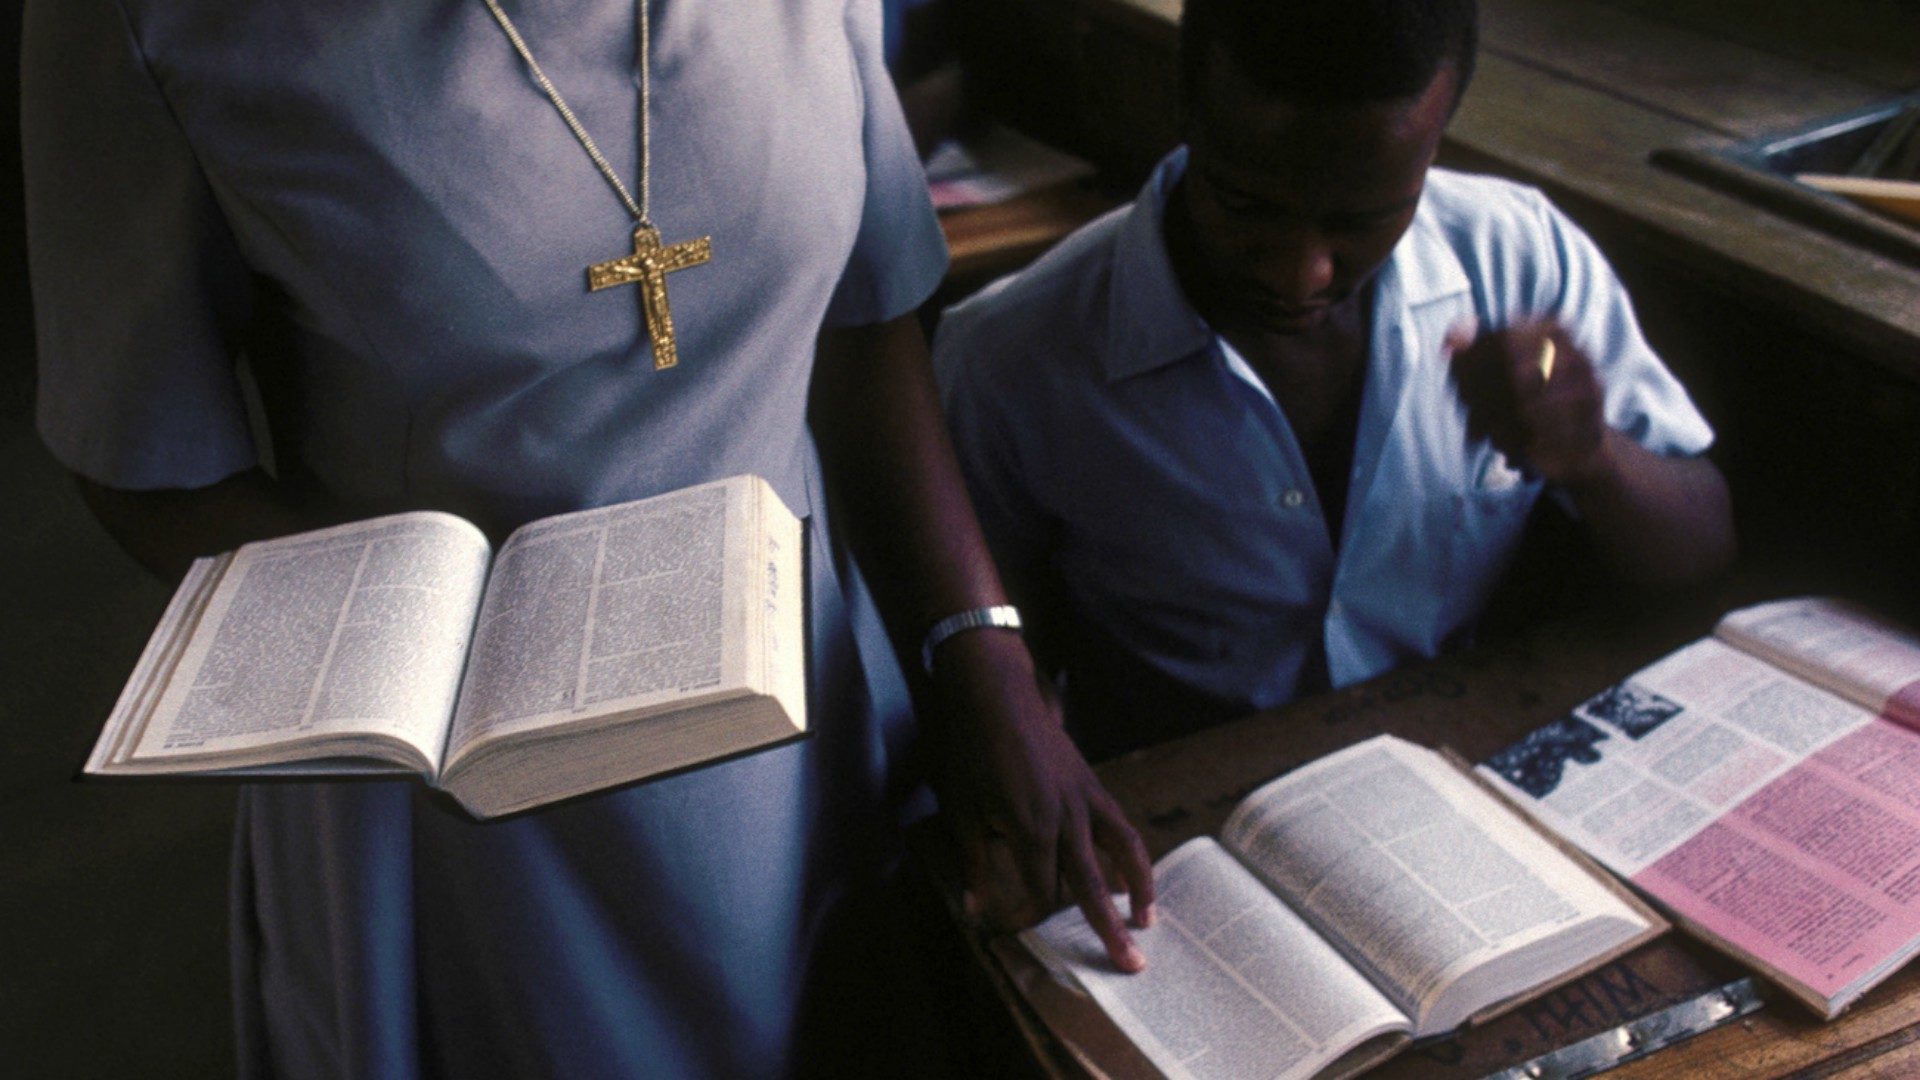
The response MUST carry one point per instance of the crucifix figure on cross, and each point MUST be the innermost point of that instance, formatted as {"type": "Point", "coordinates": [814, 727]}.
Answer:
{"type": "Point", "coordinates": [649, 266]}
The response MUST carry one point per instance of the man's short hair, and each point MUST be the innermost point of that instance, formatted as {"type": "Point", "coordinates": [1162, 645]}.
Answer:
{"type": "Point", "coordinates": [1331, 52]}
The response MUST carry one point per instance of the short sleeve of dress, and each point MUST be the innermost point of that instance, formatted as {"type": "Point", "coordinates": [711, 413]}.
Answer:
{"type": "Point", "coordinates": [1642, 398]}
{"type": "Point", "coordinates": [899, 255]}
{"type": "Point", "coordinates": [139, 292]}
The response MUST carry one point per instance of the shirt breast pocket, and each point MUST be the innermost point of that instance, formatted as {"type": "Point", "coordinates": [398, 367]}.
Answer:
{"type": "Point", "coordinates": [1175, 574]}
{"type": "Point", "coordinates": [1489, 517]}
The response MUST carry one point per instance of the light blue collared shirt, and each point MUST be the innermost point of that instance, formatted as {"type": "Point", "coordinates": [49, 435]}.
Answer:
{"type": "Point", "coordinates": [1127, 464]}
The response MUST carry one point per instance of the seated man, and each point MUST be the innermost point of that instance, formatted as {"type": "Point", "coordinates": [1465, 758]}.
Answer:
{"type": "Point", "coordinates": [1279, 423]}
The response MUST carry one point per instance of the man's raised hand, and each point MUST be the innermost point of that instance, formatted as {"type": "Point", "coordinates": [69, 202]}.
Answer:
{"type": "Point", "coordinates": [1535, 395]}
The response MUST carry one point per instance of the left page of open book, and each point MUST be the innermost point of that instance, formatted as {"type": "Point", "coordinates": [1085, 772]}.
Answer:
{"type": "Point", "coordinates": [347, 640]}
{"type": "Point", "coordinates": [1236, 985]}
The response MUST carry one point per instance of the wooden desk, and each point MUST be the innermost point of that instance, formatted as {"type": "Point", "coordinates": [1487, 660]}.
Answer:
{"type": "Point", "coordinates": [987, 242]}
{"type": "Point", "coordinates": [1478, 703]}
{"type": "Point", "coordinates": [998, 238]}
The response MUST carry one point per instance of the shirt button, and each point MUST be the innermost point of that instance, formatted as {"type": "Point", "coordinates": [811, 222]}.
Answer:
{"type": "Point", "coordinates": [1292, 498]}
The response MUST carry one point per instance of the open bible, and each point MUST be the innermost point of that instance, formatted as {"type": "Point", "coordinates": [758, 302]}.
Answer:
{"type": "Point", "coordinates": [1376, 895]}
{"type": "Point", "coordinates": [594, 648]}
{"type": "Point", "coordinates": [1763, 784]}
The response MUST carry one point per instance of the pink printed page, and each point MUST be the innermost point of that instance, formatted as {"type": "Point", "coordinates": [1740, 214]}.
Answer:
{"type": "Point", "coordinates": [1818, 873]}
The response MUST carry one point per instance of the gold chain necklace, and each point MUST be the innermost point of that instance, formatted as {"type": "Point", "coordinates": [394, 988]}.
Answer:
{"type": "Point", "coordinates": [651, 260]}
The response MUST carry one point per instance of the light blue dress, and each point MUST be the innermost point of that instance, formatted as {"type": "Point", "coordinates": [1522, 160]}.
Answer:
{"type": "Point", "coordinates": [1123, 457]}
{"type": "Point", "coordinates": [384, 182]}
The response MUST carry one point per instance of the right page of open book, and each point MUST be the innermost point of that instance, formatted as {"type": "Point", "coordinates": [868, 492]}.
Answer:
{"type": "Point", "coordinates": [1421, 877]}
{"type": "Point", "coordinates": [1771, 814]}
{"type": "Point", "coordinates": [1236, 984]}
{"type": "Point", "coordinates": [608, 610]}
{"type": "Point", "coordinates": [1837, 645]}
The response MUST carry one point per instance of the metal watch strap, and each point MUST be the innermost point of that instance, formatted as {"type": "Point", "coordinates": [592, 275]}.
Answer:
{"type": "Point", "coordinates": [1000, 616]}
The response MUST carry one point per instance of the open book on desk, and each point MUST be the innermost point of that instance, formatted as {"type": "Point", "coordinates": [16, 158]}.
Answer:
{"type": "Point", "coordinates": [1763, 784]}
{"type": "Point", "coordinates": [595, 648]}
{"type": "Point", "coordinates": [1376, 895]}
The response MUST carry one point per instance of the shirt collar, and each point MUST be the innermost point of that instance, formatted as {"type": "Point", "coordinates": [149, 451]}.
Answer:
{"type": "Point", "coordinates": [1424, 261]}
{"type": "Point", "coordinates": [1150, 323]}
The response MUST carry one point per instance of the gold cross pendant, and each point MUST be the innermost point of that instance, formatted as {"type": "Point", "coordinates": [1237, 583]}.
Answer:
{"type": "Point", "coordinates": [649, 266]}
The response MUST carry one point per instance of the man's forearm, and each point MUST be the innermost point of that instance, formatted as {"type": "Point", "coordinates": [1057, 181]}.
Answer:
{"type": "Point", "coordinates": [1656, 520]}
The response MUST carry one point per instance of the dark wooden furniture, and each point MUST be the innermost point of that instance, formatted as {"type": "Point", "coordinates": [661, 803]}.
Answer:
{"type": "Point", "coordinates": [986, 242]}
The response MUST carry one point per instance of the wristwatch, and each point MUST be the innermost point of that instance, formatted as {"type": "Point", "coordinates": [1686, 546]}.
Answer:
{"type": "Point", "coordinates": [999, 616]}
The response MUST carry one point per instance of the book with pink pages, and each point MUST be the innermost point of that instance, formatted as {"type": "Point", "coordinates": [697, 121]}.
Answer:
{"type": "Point", "coordinates": [1762, 785]}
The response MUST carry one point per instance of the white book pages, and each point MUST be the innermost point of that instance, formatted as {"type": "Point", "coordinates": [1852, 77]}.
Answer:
{"type": "Point", "coordinates": [612, 611]}
{"type": "Point", "coordinates": [1419, 876]}
{"type": "Point", "coordinates": [1237, 985]}
{"type": "Point", "coordinates": [356, 630]}
{"type": "Point", "coordinates": [1838, 646]}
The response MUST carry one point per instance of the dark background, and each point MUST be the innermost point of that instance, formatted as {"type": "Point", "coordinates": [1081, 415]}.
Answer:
{"type": "Point", "coordinates": [112, 899]}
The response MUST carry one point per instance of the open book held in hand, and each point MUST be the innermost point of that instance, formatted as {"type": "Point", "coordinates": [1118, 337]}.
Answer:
{"type": "Point", "coordinates": [1374, 896]}
{"type": "Point", "coordinates": [594, 648]}
{"type": "Point", "coordinates": [1763, 784]}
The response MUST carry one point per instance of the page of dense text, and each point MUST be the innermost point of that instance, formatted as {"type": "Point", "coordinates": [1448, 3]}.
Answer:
{"type": "Point", "coordinates": [1417, 873]}
{"type": "Point", "coordinates": [608, 609]}
{"type": "Point", "coordinates": [358, 628]}
{"type": "Point", "coordinates": [1775, 815]}
{"type": "Point", "coordinates": [1845, 649]}
{"type": "Point", "coordinates": [1236, 985]}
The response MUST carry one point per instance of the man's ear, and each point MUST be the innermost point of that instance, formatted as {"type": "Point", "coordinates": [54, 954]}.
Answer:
{"type": "Point", "coordinates": [1451, 69]}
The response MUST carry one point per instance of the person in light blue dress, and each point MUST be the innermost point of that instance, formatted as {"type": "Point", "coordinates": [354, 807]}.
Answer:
{"type": "Point", "coordinates": [1278, 424]}
{"type": "Point", "coordinates": [377, 206]}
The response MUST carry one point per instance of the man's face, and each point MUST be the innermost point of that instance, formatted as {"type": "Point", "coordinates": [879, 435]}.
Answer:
{"type": "Point", "coordinates": [1292, 207]}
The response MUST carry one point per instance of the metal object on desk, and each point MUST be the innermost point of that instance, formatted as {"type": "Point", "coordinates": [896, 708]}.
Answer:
{"type": "Point", "coordinates": [1670, 1025]}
